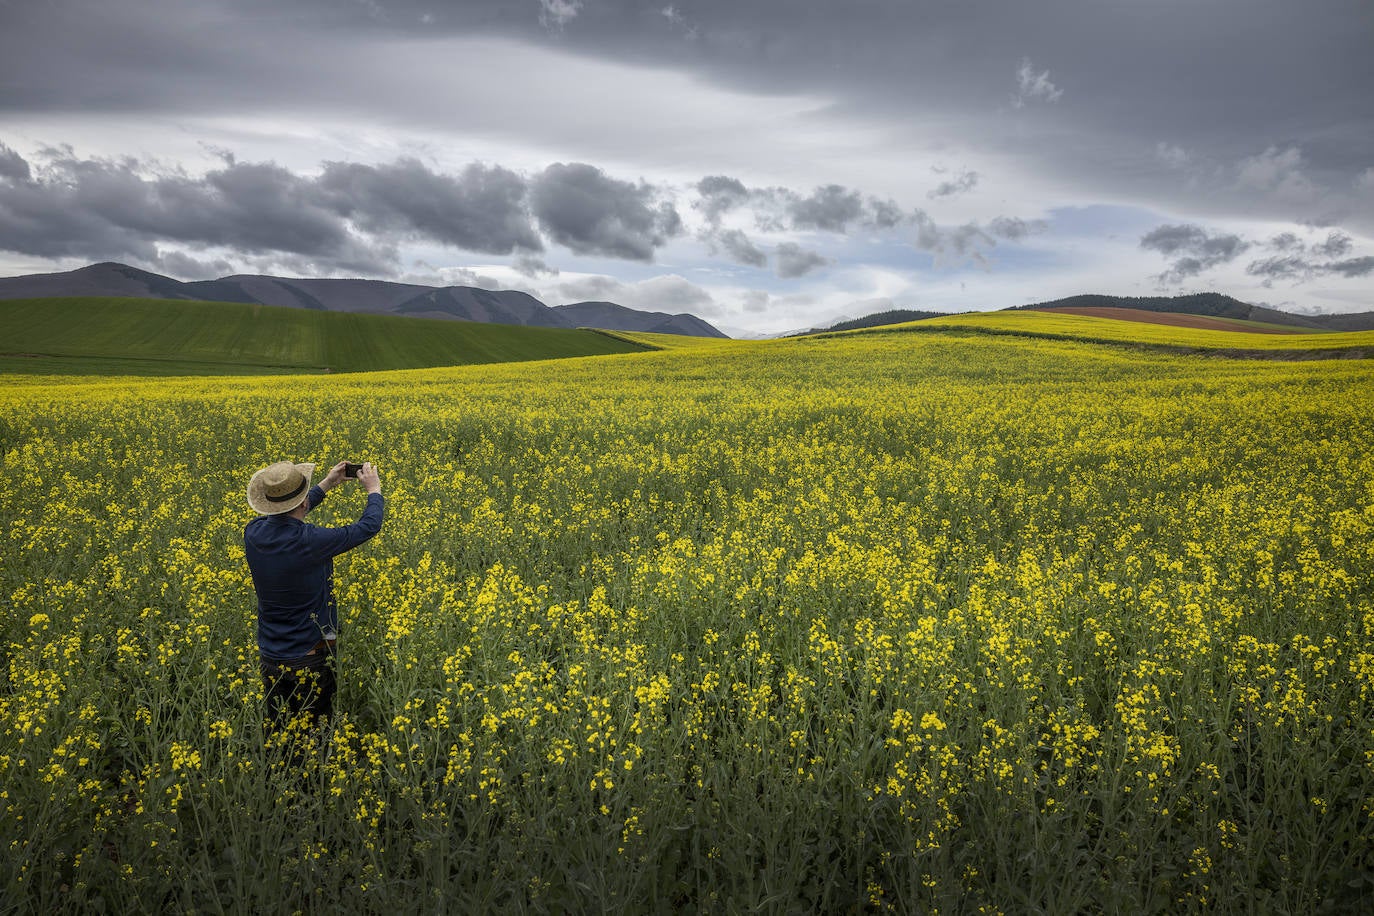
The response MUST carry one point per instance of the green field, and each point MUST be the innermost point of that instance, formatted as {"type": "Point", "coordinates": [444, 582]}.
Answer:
{"type": "Point", "coordinates": [674, 341]}
{"type": "Point", "coordinates": [875, 622]}
{"type": "Point", "coordinates": [162, 337]}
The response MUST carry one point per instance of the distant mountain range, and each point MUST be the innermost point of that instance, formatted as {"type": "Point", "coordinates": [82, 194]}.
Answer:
{"type": "Point", "coordinates": [380, 297]}
{"type": "Point", "coordinates": [1214, 305]}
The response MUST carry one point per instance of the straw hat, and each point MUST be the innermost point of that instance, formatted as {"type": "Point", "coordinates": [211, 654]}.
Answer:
{"type": "Point", "coordinates": [279, 487]}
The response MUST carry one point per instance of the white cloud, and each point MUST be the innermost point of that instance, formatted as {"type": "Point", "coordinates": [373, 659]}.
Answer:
{"type": "Point", "coordinates": [426, 274]}
{"type": "Point", "coordinates": [665, 293]}
{"type": "Point", "coordinates": [795, 261]}
{"type": "Point", "coordinates": [1269, 167]}
{"type": "Point", "coordinates": [558, 13]}
{"type": "Point", "coordinates": [1034, 87]}
{"type": "Point", "coordinates": [755, 301]}
{"type": "Point", "coordinates": [1278, 172]}
{"type": "Point", "coordinates": [532, 266]}
{"type": "Point", "coordinates": [1175, 157]}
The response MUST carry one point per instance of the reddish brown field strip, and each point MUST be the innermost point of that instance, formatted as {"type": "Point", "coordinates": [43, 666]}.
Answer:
{"type": "Point", "coordinates": [1176, 319]}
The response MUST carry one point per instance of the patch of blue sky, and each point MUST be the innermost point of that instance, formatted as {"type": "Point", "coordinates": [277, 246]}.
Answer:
{"type": "Point", "coordinates": [1102, 221]}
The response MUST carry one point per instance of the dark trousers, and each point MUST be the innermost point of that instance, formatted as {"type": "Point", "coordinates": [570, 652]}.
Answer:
{"type": "Point", "coordinates": [299, 687]}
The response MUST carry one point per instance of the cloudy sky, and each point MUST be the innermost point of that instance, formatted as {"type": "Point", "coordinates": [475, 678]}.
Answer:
{"type": "Point", "coordinates": [765, 164]}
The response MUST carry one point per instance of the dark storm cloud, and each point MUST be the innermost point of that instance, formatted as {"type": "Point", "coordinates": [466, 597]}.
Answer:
{"type": "Point", "coordinates": [1192, 249]}
{"type": "Point", "coordinates": [583, 209]}
{"type": "Point", "coordinates": [254, 207]}
{"type": "Point", "coordinates": [1166, 70]}
{"type": "Point", "coordinates": [12, 165]}
{"type": "Point", "coordinates": [98, 208]}
{"type": "Point", "coordinates": [480, 209]}
{"type": "Point", "coordinates": [1146, 72]}
{"type": "Point", "coordinates": [350, 217]}
{"type": "Point", "coordinates": [1102, 85]}
{"type": "Point", "coordinates": [43, 220]}
{"type": "Point", "coordinates": [794, 261]}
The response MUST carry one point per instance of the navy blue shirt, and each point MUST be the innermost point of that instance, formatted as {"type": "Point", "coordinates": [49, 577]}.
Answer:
{"type": "Point", "coordinates": [292, 563]}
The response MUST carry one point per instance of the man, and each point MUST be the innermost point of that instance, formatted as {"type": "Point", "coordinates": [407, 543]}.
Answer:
{"type": "Point", "coordinates": [292, 563]}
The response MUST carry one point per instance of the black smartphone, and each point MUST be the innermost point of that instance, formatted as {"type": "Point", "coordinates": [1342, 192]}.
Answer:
{"type": "Point", "coordinates": [351, 469]}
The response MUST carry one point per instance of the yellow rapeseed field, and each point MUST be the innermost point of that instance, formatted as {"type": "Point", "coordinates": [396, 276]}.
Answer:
{"type": "Point", "coordinates": [876, 622]}
{"type": "Point", "coordinates": [1111, 330]}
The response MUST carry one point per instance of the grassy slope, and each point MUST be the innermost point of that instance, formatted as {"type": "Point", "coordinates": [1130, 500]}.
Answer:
{"type": "Point", "coordinates": [46, 366]}
{"type": "Point", "coordinates": [1240, 324]}
{"type": "Point", "coordinates": [1110, 330]}
{"type": "Point", "coordinates": [157, 337]}
{"type": "Point", "coordinates": [675, 341]}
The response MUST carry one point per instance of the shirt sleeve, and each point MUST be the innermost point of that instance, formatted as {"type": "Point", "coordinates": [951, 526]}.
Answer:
{"type": "Point", "coordinates": [314, 498]}
{"type": "Point", "coordinates": [330, 542]}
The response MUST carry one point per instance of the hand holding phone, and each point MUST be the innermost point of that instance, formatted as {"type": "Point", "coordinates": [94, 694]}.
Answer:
{"type": "Point", "coordinates": [369, 478]}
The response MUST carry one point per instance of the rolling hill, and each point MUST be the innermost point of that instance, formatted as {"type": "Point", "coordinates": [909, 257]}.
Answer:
{"type": "Point", "coordinates": [378, 297]}
{"type": "Point", "coordinates": [136, 336]}
{"type": "Point", "coordinates": [1223, 337]}
{"type": "Point", "coordinates": [876, 320]}
{"type": "Point", "coordinates": [1210, 305]}
{"type": "Point", "coordinates": [1214, 305]}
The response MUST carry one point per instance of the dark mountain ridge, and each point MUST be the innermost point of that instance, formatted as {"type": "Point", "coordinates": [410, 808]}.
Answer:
{"type": "Point", "coordinates": [621, 318]}
{"type": "Point", "coordinates": [378, 297]}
